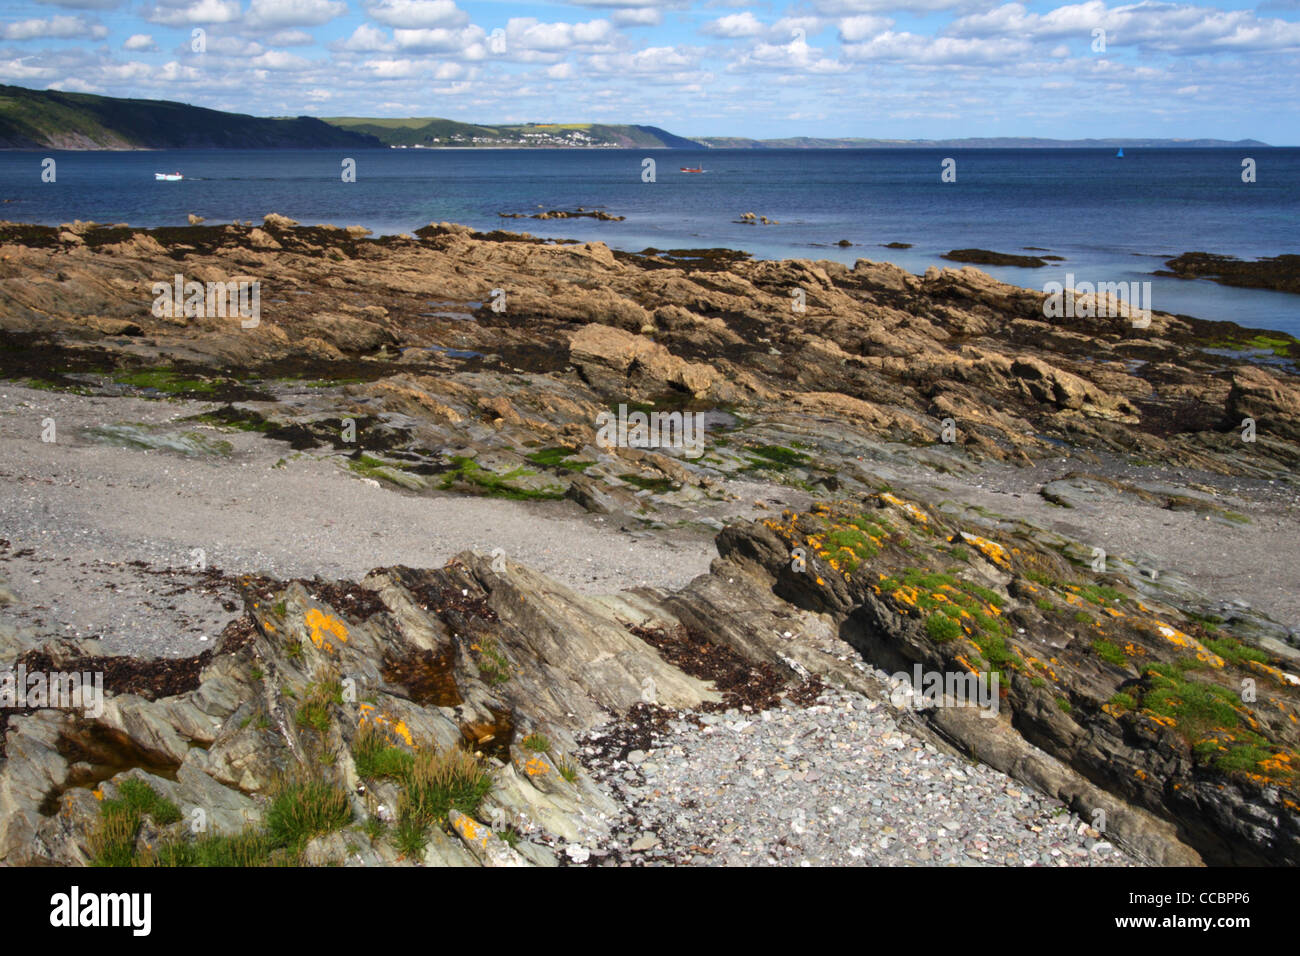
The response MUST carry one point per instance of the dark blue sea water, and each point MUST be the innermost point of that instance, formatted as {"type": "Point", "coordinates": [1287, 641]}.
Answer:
{"type": "Point", "coordinates": [1113, 219]}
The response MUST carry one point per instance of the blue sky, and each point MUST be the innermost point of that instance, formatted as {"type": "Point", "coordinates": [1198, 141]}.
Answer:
{"type": "Point", "coordinates": [930, 69]}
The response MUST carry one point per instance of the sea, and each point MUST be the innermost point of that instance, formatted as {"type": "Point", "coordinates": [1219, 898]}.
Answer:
{"type": "Point", "coordinates": [1111, 218]}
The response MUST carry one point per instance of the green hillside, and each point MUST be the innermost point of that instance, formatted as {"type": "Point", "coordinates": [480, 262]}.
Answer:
{"type": "Point", "coordinates": [32, 119]}
{"type": "Point", "coordinates": [433, 133]}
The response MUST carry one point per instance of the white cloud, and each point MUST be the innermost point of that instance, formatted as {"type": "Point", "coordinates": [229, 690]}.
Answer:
{"type": "Point", "coordinates": [368, 38]}
{"type": "Point", "coordinates": [55, 28]}
{"type": "Point", "coordinates": [526, 33]}
{"type": "Point", "coordinates": [230, 46]}
{"type": "Point", "coordinates": [1175, 28]}
{"type": "Point", "coordinates": [139, 41]}
{"type": "Point", "coordinates": [626, 4]}
{"type": "Point", "coordinates": [637, 17]}
{"type": "Point", "coordinates": [440, 40]}
{"type": "Point", "coordinates": [75, 84]}
{"type": "Point", "coordinates": [862, 27]}
{"type": "Point", "coordinates": [735, 25]}
{"type": "Point", "coordinates": [291, 38]}
{"type": "Point", "coordinates": [844, 8]}
{"type": "Point", "coordinates": [194, 12]}
{"type": "Point", "coordinates": [655, 59]}
{"type": "Point", "coordinates": [279, 60]}
{"type": "Point", "coordinates": [20, 69]}
{"type": "Point", "coordinates": [927, 50]}
{"type": "Point", "coordinates": [173, 72]}
{"type": "Point", "coordinates": [409, 69]}
{"type": "Point", "coordinates": [795, 56]}
{"type": "Point", "coordinates": [277, 14]}
{"type": "Point", "coordinates": [418, 14]}
{"type": "Point", "coordinates": [84, 4]}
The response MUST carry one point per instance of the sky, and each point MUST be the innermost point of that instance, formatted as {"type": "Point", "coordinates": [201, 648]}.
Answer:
{"type": "Point", "coordinates": [873, 68]}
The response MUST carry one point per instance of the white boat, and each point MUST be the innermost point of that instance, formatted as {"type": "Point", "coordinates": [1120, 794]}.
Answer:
{"type": "Point", "coordinates": [168, 177]}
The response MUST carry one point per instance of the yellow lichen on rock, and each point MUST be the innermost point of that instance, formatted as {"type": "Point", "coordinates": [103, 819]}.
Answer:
{"type": "Point", "coordinates": [321, 624]}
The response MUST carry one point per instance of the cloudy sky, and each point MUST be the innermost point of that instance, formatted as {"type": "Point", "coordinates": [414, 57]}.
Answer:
{"type": "Point", "coordinates": [930, 68]}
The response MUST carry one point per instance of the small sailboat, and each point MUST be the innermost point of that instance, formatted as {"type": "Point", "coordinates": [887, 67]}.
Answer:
{"type": "Point", "coordinates": [692, 169]}
{"type": "Point", "coordinates": [167, 177]}
{"type": "Point", "coordinates": [1120, 154]}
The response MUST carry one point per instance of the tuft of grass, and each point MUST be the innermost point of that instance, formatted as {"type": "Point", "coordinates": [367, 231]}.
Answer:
{"type": "Point", "coordinates": [376, 757]}
{"type": "Point", "coordinates": [441, 780]}
{"type": "Point", "coordinates": [493, 666]}
{"type": "Point", "coordinates": [537, 743]}
{"type": "Point", "coordinates": [139, 799]}
{"type": "Point", "coordinates": [112, 843]}
{"type": "Point", "coordinates": [1100, 594]}
{"type": "Point", "coordinates": [568, 768]}
{"type": "Point", "coordinates": [942, 628]}
{"type": "Point", "coordinates": [437, 782]}
{"type": "Point", "coordinates": [1235, 652]}
{"type": "Point", "coordinates": [325, 692]}
{"type": "Point", "coordinates": [1109, 652]}
{"type": "Point", "coordinates": [313, 714]}
{"type": "Point", "coordinates": [253, 847]}
{"type": "Point", "coordinates": [304, 808]}
{"type": "Point", "coordinates": [1195, 707]}
{"type": "Point", "coordinates": [411, 836]}
{"type": "Point", "coordinates": [849, 547]}
{"type": "Point", "coordinates": [1123, 701]}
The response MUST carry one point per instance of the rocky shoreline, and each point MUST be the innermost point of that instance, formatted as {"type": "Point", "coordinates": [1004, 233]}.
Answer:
{"type": "Point", "coordinates": [852, 418]}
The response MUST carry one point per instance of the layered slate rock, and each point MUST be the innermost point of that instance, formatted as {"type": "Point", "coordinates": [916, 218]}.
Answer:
{"type": "Point", "coordinates": [1141, 706]}
{"type": "Point", "coordinates": [462, 657]}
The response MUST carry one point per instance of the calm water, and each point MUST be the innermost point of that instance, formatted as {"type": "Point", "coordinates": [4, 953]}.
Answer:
{"type": "Point", "coordinates": [1113, 220]}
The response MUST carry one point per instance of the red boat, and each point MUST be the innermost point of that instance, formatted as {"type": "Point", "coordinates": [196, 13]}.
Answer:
{"type": "Point", "coordinates": [692, 169]}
